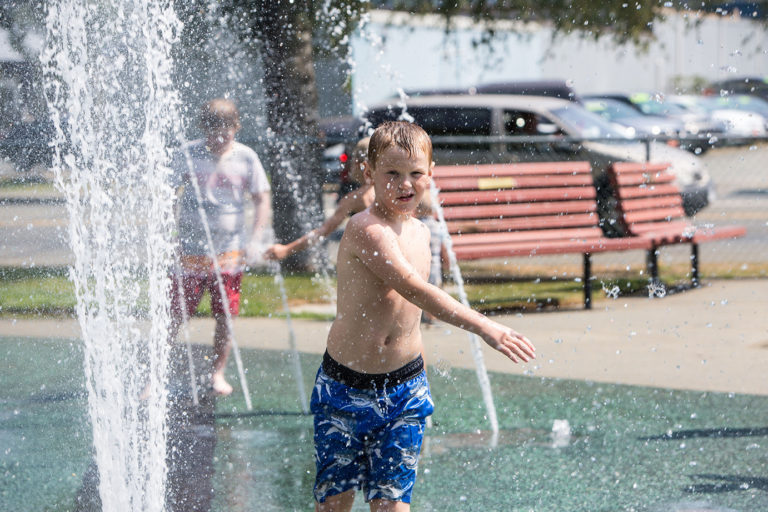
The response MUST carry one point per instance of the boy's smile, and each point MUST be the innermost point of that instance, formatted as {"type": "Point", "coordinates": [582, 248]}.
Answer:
{"type": "Point", "coordinates": [399, 181]}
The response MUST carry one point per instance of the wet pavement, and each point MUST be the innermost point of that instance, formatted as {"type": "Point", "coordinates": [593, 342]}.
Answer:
{"type": "Point", "coordinates": [665, 401]}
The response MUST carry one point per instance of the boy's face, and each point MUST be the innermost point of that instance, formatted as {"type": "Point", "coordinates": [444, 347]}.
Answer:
{"type": "Point", "coordinates": [399, 180]}
{"type": "Point", "coordinates": [218, 138]}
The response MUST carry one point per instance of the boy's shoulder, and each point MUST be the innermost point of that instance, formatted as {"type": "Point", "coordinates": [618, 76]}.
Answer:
{"type": "Point", "coordinates": [369, 229]}
{"type": "Point", "coordinates": [241, 151]}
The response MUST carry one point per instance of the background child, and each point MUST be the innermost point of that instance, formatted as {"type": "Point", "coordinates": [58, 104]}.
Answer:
{"type": "Point", "coordinates": [355, 201]}
{"type": "Point", "coordinates": [226, 172]}
{"type": "Point", "coordinates": [371, 397]}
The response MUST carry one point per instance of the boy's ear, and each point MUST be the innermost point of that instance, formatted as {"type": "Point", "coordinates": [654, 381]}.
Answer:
{"type": "Point", "coordinates": [367, 172]}
{"type": "Point", "coordinates": [431, 167]}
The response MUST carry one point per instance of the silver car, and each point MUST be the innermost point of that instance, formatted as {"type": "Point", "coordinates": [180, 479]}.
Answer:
{"type": "Point", "coordinates": [544, 129]}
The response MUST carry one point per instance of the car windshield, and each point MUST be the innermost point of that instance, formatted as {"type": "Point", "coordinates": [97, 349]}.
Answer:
{"type": "Point", "coordinates": [611, 109]}
{"type": "Point", "coordinates": [659, 108]}
{"type": "Point", "coordinates": [737, 102]}
{"type": "Point", "coordinates": [583, 123]}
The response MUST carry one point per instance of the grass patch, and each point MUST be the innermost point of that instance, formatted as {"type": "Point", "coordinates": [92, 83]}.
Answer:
{"type": "Point", "coordinates": [47, 291]}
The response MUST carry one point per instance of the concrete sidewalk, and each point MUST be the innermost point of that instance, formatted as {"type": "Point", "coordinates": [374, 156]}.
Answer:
{"type": "Point", "coordinates": [712, 339]}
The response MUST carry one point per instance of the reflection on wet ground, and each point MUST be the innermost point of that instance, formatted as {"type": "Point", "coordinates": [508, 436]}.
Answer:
{"type": "Point", "coordinates": [190, 445]}
{"type": "Point", "coordinates": [563, 445]}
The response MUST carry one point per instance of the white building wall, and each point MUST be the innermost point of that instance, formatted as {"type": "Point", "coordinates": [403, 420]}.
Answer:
{"type": "Point", "coordinates": [711, 47]}
{"type": "Point", "coordinates": [411, 52]}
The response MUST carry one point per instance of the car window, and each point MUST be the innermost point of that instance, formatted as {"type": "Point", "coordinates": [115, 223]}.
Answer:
{"type": "Point", "coordinates": [660, 108]}
{"type": "Point", "coordinates": [440, 121]}
{"type": "Point", "coordinates": [520, 122]}
{"type": "Point", "coordinates": [738, 102]}
{"type": "Point", "coordinates": [579, 122]}
{"type": "Point", "coordinates": [611, 109]}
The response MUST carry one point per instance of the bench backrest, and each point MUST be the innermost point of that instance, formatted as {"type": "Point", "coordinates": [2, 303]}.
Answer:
{"type": "Point", "coordinates": [518, 203]}
{"type": "Point", "coordinates": [648, 199]}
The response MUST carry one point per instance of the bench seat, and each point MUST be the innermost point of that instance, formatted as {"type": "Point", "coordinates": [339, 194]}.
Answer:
{"type": "Point", "coordinates": [651, 208]}
{"type": "Point", "coordinates": [526, 209]}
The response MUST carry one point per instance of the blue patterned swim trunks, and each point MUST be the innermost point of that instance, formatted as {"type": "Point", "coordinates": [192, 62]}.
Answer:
{"type": "Point", "coordinates": [368, 430]}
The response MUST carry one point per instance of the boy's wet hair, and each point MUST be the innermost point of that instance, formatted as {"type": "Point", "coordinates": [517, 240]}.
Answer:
{"type": "Point", "coordinates": [408, 136]}
{"type": "Point", "coordinates": [219, 113]}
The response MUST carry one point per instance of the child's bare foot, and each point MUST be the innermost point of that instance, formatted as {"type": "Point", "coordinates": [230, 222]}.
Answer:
{"type": "Point", "coordinates": [219, 385]}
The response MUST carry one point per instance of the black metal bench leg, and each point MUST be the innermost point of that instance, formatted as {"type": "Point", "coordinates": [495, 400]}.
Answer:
{"type": "Point", "coordinates": [587, 281]}
{"type": "Point", "coordinates": [653, 265]}
{"type": "Point", "coordinates": [695, 265]}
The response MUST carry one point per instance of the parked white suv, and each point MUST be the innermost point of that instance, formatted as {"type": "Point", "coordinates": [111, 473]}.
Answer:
{"type": "Point", "coordinates": [561, 130]}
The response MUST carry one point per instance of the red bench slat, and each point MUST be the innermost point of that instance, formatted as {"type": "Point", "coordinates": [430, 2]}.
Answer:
{"type": "Point", "coordinates": [520, 223]}
{"type": "Point", "coordinates": [649, 203]}
{"type": "Point", "coordinates": [516, 196]}
{"type": "Point", "coordinates": [511, 182]}
{"type": "Point", "coordinates": [564, 235]}
{"type": "Point", "coordinates": [517, 169]}
{"type": "Point", "coordinates": [482, 251]}
{"type": "Point", "coordinates": [518, 209]}
{"type": "Point", "coordinates": [652, 190]}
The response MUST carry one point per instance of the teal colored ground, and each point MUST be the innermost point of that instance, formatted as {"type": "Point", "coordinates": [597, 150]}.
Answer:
{"type": "Point", "coordinates": [631, 449]}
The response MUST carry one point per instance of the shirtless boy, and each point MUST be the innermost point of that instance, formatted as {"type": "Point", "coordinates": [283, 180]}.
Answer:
{"type": "Point", "coordinates": [371, 397]}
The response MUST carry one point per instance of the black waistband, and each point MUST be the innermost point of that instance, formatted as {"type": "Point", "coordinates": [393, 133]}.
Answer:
{"type": "Point", "coordinates": [341, 373]}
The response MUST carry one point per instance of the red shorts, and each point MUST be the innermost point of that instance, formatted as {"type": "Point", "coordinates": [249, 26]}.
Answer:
{"type": "Point", "coordinates": [195, 284]}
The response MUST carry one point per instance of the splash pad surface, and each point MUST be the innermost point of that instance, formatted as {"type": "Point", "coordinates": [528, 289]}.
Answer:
{"type": "Point", "coordinates": [628, 447]}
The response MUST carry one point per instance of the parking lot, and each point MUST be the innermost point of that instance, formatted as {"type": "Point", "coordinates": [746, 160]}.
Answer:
{"type": "Point", "coordinates": [33, 221]}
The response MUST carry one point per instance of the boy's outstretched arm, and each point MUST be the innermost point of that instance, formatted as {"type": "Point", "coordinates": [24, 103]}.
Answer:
{"type": "Point", "coordinates": [378, 248]}
{"type": "Point", "coordinates": [348, 204]}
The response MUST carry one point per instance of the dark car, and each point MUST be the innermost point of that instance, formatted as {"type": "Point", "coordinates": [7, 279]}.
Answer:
{"type": "Point", "coordinates": [548, 129]}
{"type": "Point", "coordinates": [755, 86]}
{"type": "Point", "coordinates": [550, 88]}
{"type": "Point", "coordinates": [28, 144]}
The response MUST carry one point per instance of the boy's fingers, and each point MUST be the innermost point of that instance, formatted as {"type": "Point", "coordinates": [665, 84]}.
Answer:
{"type": "Point", "coordinates": [516, 348]}
{"type": "Point", "coordinates": [507, 352]}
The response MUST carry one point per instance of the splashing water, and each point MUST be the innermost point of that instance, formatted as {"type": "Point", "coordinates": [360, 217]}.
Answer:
{"type": "Point", "coordinates": [477, 354]}
{"type": "Point", "coordinates": [294, 353]}
{"type": "Point", "coordinates": [107, 81]}
{"type": "Point", "coordinates": [656, 289]}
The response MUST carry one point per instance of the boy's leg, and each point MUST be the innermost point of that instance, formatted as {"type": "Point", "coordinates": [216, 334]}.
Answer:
{"type": "Point", "coordinates": [222, 346]}
{"type": "Point", "coordinates": [337, 503]}
{"type": "Point", "coordinates": [186, 292]}
{"type": "Point", "coordinates": [389, 506]}
{"type": "Point", "coordinates": [222, 338]}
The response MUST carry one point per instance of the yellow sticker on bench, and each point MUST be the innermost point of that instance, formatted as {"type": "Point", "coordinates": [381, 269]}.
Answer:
{"type": "Point", "coordinates": [489, 183]}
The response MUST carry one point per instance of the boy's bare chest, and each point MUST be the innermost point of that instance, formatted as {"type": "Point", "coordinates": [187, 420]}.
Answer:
{"type": "Point", "coordinates": [415, 249]}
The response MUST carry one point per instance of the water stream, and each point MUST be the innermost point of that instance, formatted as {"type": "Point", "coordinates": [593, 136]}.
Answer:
{"type": "Point", "coordinates": [474, 341]}
{"type": "Point", "coordinates": [108, 84]}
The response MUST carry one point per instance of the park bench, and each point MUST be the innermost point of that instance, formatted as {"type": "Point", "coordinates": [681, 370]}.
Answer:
{"type": "Point", "coordinates": [525, 209]}
{"type": "Point", "coordinates": [651, 208]}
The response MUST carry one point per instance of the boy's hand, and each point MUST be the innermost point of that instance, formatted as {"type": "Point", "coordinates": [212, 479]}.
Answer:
{"type": "Point", "coordinates": [276, 252]}
{"type": "Point", "coordinates": [511, 343]}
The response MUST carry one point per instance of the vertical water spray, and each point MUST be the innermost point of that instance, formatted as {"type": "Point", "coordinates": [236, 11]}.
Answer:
{"type": "Point", "coordinates": [474, 340]}
{"type": "Point", "coordinates": [107, 78]}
